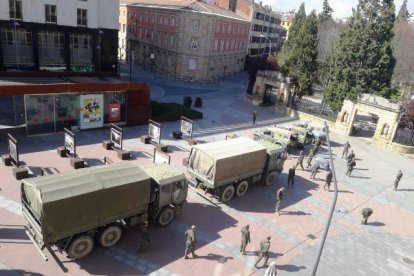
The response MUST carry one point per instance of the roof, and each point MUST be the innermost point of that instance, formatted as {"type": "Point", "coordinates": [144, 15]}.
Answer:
{"type": "Point", "coordinates": [271, 147]}
{"type": "Point", "coordinates": [227, 148]}
{"type": "Point", "coordinates": [281, 130]}
{"type": "Point", "coordinates": [163, 173]}
{"type": "Point", "coordinates": [185, 5]}
{"type": "Point", "coordinates": [74, 183]}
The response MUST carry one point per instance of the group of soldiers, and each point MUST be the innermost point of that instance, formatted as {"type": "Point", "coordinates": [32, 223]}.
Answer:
{"type": "Point", "coordinates": [190, 234]}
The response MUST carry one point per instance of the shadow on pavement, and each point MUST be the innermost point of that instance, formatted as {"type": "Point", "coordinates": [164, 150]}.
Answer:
{"type": "Point", "coordinates": [215, 257]}
{"type": "Point", "coordinates": [290, 268]}
{"type": "Point", "coordinates": [376, 223]}
{"type": "Point", "coordinates": [262, 199]}
{"type": "Point", "coordinates": [12, 233]}
{"type": "Point", "coordinates": [18, 272]}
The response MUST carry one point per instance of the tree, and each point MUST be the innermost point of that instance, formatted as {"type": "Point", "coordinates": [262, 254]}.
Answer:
{"type": "Point", "coordinates": [403, 14]}
{"type": "Point", "coordinates": [407, 118]}
{"type": "Point", "coordinates": [363, 61]}
{"type": "Point", "coordinates": [403, 45]}
{"type": "Point", "coordinates": [326, 13]}
{"type": "Point", "coordinates": [300, 52]}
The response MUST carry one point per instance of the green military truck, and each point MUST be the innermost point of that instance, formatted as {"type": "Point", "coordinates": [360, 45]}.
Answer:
{"type": "Point", "coordinates": [285, 136]}
{"type": "Point", "coordinates": [77, 209]}
{"type": "Point", "coordinates": [227, 168]}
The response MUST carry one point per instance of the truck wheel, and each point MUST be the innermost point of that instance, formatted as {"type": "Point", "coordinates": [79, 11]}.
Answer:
{"type": "Point", "coordinates": [80, 247]}
{"type": "Point", "coordinates": [109, 236]}
{"type": "Point", "coordinates": [269, 179]}
{"type": "Point", "coordinates": [166, 216]}
{"type": "Point", "coordinates": [241, 188]}
{"type": "Point", "coordinates": [227, 194]}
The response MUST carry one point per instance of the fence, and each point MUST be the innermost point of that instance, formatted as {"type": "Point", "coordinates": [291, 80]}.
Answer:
{"type": "Point", "coordinates": [404, 136]}
{"type": "Point", "coordinates": [314, 108]}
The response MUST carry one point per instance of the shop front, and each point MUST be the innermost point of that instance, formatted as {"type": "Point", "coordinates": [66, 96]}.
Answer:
{"type": "Point", "coordinates": [52, 111]}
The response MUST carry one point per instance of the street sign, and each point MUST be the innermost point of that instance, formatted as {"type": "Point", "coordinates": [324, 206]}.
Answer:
{"type": "Point", "coordinates": [154, 131]}
{"type": "Point", "coordinates": [116, 136]}
{"type": "Point", "coordinates": [186, 127]}
{"type": "Point", "coordinates": [161, 158]}
{"type": "Point", "coordinates": [70, 142]}
{"type": "Point", "coordinates": [13, 149]}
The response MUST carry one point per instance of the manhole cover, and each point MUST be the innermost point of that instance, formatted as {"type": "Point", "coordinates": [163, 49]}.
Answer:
{"type": "Point", "coordinates": [312, 237]}
{"type": "Point", "coordinates": [408, 261]}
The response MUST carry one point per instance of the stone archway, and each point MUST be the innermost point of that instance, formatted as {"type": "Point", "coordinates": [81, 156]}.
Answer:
{"type": "Point", "coordinates": [387, 117]}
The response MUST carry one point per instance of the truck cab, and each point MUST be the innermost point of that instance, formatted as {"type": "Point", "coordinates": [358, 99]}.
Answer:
{"type": "Point", "coordinates": [169, 191]}
{"type": "Point", "coordinates": [276, 157]}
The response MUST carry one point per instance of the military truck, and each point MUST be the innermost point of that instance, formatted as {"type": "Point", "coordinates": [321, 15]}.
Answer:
{"type": "Point", "coordinates": [227, 168]}
{"type": "Point", "coordinates": [77, 209]}
{"type": "Point", "coordinates": [285, 136]}
{"type": "Point", "coordinates": [305, 136]}
{"type": "Point", "coordinates": [318, 134]}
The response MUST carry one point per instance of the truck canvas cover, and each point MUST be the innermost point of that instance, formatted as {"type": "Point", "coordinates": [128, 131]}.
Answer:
{"type": "Point", "coordinates": [73, 202]}
{"type": "Point", "coordinates": [221, 160]}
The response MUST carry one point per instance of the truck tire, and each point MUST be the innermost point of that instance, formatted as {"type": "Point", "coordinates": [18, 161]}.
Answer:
{"type": "Point", "coordinates": [80, 247]}
{"type": "Point", "coordinates": [269, 179]}
{"type": "Point", "coordinates": [109, 235]}
{"type": "Point", "coordinates": [241, 188]}
{"type": "Point", "coordinates": [227, 194]}
{"type": "Point", "coordinates": [166, 216]}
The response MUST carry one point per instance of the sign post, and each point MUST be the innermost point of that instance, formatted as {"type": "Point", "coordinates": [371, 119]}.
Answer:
{"type": "Point", "coordinates": [186, 127]}
{"type": "Point", "coordinates": [161, 158]}
{"type": "Point", "coordinates": [116, 137]}
{"type": "Point", "coordinates": [13, 158]}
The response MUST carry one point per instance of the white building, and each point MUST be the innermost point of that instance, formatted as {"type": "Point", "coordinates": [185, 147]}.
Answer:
{"type": "Point", "coordinates": [73, 35]}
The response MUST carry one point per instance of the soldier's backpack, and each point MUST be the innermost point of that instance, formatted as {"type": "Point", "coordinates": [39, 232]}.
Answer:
{"type": "Point", "coordinates": [353, 164]}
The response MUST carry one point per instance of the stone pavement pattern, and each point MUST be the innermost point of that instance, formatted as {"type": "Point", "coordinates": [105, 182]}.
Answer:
{"type": "Point", "coordinates": [351, 249]}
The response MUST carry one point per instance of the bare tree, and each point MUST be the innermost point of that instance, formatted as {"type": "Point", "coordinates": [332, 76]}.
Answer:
{"type": "Point", "coordinates": [328, 34]}
{"type": "Point", "coordinates": [403, 45]}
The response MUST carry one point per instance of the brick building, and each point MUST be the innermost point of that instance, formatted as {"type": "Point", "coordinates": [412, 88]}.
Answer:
{"type": "Point", "coordinates": [58, 35]}
{"type": "Point", "coordinates": [266, 33]}
{"type": "Point", "coordinates": [184, 39]}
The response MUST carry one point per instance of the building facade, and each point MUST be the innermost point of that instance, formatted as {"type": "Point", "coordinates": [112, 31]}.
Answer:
{"type": "Point", "coordinates": [183, 39]}
{"type": "Point", "coordinates": [59, 35]}
{"type": "Point", "coordinates": [266, 33]}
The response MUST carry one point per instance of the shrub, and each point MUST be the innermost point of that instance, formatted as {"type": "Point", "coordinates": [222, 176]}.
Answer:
{"type": "Point", "coordinates": [198, 102]}
{"type": "Point", "coordinates": [187, 101]}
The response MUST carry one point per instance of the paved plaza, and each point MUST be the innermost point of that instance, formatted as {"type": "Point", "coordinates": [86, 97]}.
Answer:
{"type": "Point", "coordinates": [383, 247]}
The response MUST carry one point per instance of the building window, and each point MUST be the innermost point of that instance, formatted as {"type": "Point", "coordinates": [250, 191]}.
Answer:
{"type": "Point", "coordinates": [83, 18]}
{"type": "Point", "coordinates": [152, 35]}
{"type": "Point", "coordinates": [196, 23]}
{"type": "Point", "coordinates": [15, 9]}
{"type": "Point", "coordinates": [171, 39]}
{"type": "Point", "coordinates": [166, 20]}
{"type": "Point", "coordinates": [140, 17]}
{"type": "Point", "coordinates": [223, 27]}
{"type": "Point", "coordinates": [217, 26]}
{"type": "Point", "coordinates": [152, 18]}
{"type": "Point", "coordinates": [216, 42]}
{"type": "Point", "coordinates": [123, 28]}
{"type": "Point", "coordinates": [50, 14]}
{"type": "Point", "coordinates": [172, 21]}
{"type": "Point", "coordinates": [160, 19]}
{"type": "Point", "coordinates": [221, 45]}
{"type": "Point", "coordinates": [191, 64]}
{"type": "Point", "coordinates": [146, 17]}
{"type": "Point", "coordinates": [165, 39]}
{"type": "Point", "coordinates": [159, 38]}
{"type": "Point", "coordinates": [51, 48]}
{"type": "Point", "coordinates": [80, 49]}
{"type": "Point", "coordinates": [140, 32]}
{"type": "Point", "coordinates": [194, 43]}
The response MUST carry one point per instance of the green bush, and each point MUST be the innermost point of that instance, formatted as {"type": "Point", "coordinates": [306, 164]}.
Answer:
{"type": "Point", "coordinates": [187, 101]}
{"type": "Point", "coordinates": [168, 112]}
{"type": "Point", "coordinates": [198, 102]}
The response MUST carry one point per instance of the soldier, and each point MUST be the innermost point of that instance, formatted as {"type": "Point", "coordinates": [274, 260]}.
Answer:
{"type": "Point", "coordinates": [397, 179]}
{"type": "Point", "coordinates": [279, 196]}
{"type": "Point", "coordinates": [350, 166]}
{"type": "Point", "coordinates": [346, 149]}
{"type": "Point", "coordinates": [350, 155]}
{"type": "Point", "coordinates": [300, 160]}
{"type": "Point", "coordinates": [254, 117]}
{"type": "Point", "coordinates": [190, 242]}
{"type": "Point", "coordinates": [245, 239]}
{"type": "Point", "coordinates": [314, 170]}
{"type": "Point", "coordinates": [291, 177]}
{"type": "Point", "coordinates": [309, 161]}
{"type": "Point", "coordinates": [366, 213]}
{"type": "Point", "coordinates": [328, 180]}
{"type": "Point", "coordinates": [264, 251]}
{"type": "Point", "coordinates": [143, 247]}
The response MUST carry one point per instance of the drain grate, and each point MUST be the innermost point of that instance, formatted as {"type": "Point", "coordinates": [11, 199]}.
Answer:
{"type": "Point", "coordinates": [310, 236]}
{"type": "Point", "coordinates": [408, 261]}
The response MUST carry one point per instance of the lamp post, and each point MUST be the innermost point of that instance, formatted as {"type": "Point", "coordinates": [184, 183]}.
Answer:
{"type": "Point", "coordinates": [270, 49]}
{"type": "Point", "coordinates": [99, 49]}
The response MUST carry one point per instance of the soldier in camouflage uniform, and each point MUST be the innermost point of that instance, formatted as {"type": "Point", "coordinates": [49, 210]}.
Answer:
{"type": "Point", "coordinates": [314, 170]}
{"type": "Point", "coordinates": [346, 149]}
{"type": "Point", "coordinates": [143, 247]}
{"type": "Point", "coordinates": [264, 251]}
{"type": "Point", "coordinates": [279, 196]}
{"type": "Point", "coordinates": [245, 239]}
{"type": "Point", "coordinates": [366, 213]}
{"type": "Point", "coordinates": [397, 180]}
{"type": "Point", "coordinates": [300, 160]}
{"type": "Point", "coordinates": [190, 242]}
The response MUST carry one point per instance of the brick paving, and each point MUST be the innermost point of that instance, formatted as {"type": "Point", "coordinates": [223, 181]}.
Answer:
{"type": "Point", "coordinates": [351, 248]}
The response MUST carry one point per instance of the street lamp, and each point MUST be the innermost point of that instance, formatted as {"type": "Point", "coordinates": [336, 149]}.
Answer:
{"type": "Point", "coordinates": [270, 49]}
{"type": "Point", "coordinates": [99, 49]}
